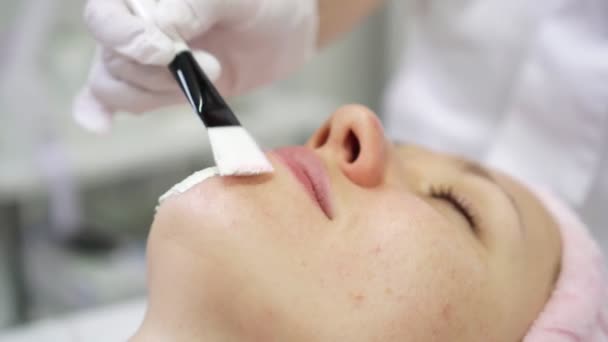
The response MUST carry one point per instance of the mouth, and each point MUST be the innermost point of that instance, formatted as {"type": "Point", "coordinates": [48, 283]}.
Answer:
{"type": "Point", "coordinates": [310, 172]}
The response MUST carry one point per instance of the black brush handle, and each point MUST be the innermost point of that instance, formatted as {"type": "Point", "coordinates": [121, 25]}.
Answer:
{"type": "Point", "coordinates": [200, 92]}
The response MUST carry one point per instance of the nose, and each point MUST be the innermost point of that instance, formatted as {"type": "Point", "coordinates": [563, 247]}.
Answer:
{"type": "Point", "coordinates": [354, 138]}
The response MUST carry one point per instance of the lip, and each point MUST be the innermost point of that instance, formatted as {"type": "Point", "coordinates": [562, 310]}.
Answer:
{"type": "Point", "coordinates": [309, 170]}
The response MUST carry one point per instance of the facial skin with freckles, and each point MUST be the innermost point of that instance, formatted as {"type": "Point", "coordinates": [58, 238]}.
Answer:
{"type": "Point", "coordinates": [413, 245]}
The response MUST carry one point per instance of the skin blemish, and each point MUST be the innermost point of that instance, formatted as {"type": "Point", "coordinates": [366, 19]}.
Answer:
{"type": "Point", "coordinates": [358, 298]}
{"type": "Point", "coordinates": [446, 311]}
{"type": "Point", "coordinates": [343, 271]}
{"type": "Point", "coordinates": [377, 250]}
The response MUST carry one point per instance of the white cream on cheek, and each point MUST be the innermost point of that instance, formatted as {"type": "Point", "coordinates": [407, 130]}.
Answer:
{"type": "Point", "coordinates": [188, 183]}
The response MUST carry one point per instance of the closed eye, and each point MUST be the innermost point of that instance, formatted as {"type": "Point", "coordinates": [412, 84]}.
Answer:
{"type": "Point", "coordinates": [459, 203]}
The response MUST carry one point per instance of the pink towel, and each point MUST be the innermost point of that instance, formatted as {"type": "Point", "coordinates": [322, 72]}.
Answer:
{"type": "Point", "coordinates": [578, 307]}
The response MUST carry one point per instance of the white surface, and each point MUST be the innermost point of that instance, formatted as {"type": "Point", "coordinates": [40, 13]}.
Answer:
{"type": "Point", "coordinates": [109, 324]}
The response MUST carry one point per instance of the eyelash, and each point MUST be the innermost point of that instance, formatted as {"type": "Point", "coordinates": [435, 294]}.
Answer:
{"type": "Point", "coordinates": [447, 193]}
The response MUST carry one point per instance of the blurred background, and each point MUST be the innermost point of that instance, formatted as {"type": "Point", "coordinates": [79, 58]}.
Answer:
{"type": "Point", "coordinates": [75, 208]}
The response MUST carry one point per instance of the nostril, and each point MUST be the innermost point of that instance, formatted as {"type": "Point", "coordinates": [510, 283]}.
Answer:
{"type": "Point", "coordinates": [322, 137]}
{"type": "Point", "coordinates": [352, 146]}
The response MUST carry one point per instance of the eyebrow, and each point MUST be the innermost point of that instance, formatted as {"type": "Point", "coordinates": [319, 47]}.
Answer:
{"type": "Point", "coordinates": [478, 170]}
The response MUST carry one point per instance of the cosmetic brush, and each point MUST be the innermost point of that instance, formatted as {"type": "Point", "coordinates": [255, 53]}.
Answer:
{"type": "Point", "coordinates": [234, 150]}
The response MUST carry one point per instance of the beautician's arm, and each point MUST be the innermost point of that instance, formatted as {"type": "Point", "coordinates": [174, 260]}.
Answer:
{"type": "Point", "coordinates": [339, 16]}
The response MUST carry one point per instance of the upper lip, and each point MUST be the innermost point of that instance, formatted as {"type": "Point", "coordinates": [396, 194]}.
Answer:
{"type": "Point", "coordinates": [310, 171]}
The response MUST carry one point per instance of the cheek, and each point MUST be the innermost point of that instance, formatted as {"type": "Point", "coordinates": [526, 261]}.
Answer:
{"type": "Point", "coordinates": [243, 227]}
{"type": "Point", "coordinates": [406, 269]}
{"type": "Point", "coordinates": [217, 237]}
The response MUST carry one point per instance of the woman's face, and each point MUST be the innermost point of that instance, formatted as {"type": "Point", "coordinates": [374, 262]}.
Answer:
{"type": "Point", "coordinates": [351, 239]}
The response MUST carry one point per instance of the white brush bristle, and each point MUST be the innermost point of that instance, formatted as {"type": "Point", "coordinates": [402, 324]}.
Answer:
{"type": "Point", "coordinates": [236, 153]}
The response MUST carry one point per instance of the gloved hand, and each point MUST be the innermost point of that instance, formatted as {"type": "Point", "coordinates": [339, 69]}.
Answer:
{"type": "Point", "coordinates": [255, 41]}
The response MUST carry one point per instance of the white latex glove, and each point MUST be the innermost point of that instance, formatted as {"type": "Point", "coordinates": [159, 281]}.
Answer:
{"type": "Point", "coordinates": [255, 41]}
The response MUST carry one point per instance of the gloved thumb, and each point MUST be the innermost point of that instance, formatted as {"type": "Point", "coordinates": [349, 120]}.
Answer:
{"type": "Point", "coordinates": [90, 114]}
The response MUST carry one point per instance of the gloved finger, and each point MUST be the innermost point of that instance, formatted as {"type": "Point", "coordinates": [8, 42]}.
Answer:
{"type": "Point", "coordinates": [210, 65]}
{"type": "Point", "coordinates": [187, 19]}
{"type": "Point", "coordinates": [114, 26]}
{"type": "Point", "coordinates": [118, 94]}
{"type": "Point", "coordinates": [90, 114]}
{"type": "Point", "coordinates": [155, 78]}
{"type": "Point", "coordinates": [148, 77]}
